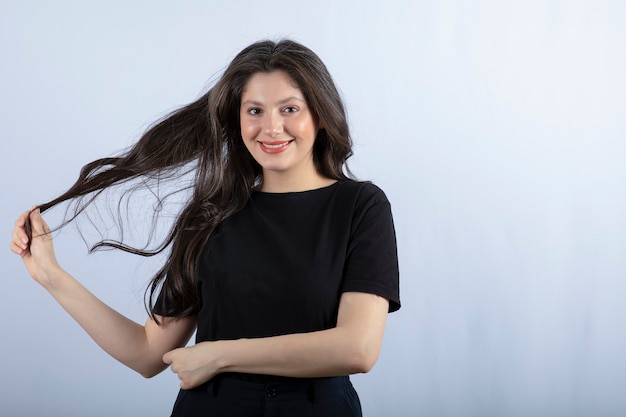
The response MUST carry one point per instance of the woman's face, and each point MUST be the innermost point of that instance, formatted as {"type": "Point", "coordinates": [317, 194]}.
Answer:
{"type": "Point", "coordinates": [277, 126]}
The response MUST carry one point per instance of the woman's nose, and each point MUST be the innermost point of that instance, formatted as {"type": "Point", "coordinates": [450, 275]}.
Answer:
{"type": "Point", "coordinates": [274, 125]}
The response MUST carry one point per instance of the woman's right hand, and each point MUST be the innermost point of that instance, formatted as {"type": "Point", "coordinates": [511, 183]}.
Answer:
{"type": "Point", "coordinates": [139, 347]}
{"type": "Point", "coordinates": [39, 257]}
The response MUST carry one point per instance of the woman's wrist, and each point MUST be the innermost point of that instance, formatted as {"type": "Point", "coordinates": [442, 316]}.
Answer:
{"type": "Point", "coordinates": [222, 354]}
{"type": "Point", "coordinates": [54, 278]}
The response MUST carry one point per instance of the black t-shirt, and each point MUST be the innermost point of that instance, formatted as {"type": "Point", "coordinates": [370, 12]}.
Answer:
{"type": "Point", "coordinates": [280, 264]}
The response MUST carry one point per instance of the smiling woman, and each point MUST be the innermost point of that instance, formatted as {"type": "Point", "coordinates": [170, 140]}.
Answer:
{"type": "Point", "coordinates": [279, 131]}
{"type": "Point", "coordinates": [284, 266]}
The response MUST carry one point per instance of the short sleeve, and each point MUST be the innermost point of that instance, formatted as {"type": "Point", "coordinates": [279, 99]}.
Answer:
{"type": "Point", "coordinates": [163, 305]}
{"type": "Point", "coordinates": [372, 256]}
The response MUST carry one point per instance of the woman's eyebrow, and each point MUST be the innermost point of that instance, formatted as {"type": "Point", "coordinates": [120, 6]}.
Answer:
{"type": "Point", "coordinates": [283, 101]}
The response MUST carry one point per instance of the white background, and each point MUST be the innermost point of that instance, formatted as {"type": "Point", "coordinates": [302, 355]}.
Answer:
{"type": "Point", "coordinates": [496, 129]}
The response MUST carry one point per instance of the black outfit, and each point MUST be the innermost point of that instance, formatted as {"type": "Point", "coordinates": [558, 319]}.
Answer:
{"type": "Point", "coordinates": [226, 396]}
{"type": "Point", "coordinates": [280, 265]}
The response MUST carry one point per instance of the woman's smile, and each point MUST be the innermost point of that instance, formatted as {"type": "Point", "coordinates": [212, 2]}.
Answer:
{"type": "Point", "coordinates": [275, 147]}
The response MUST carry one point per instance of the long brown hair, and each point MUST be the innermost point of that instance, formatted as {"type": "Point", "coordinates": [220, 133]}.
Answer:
{"type": "Point", "coordinates": [207, 133]}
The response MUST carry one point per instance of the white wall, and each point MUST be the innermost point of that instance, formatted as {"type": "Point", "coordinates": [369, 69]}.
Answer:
{"type": "Point", "coordinates": [496, 129]}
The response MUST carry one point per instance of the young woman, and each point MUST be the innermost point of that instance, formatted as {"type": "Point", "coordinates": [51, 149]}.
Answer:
{"type": "Point", "coordinates": [285, 265]}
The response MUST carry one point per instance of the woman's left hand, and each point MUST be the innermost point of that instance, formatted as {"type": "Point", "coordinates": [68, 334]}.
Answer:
{"type": "Point", "coordinates": [194, 365]}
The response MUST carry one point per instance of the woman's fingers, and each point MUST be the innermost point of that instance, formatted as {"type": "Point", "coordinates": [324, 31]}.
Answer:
{"type": "Point", "coordinates": [20, 238]}
{"type": "Point", "coordinates": [16, 248]}
{"type": "Point", "coordinates": [38, 251]}
{"type": "Point", "coordinates": [38, 224]}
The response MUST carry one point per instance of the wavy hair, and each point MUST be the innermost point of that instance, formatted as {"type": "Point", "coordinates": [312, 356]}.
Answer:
{"type": "Point", "coordinates": [206, 133]}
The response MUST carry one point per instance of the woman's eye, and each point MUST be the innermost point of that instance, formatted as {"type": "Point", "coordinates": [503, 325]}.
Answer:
{"type": "Point", "coordinates": [290, 109]}
{"type": "Point", "coordinates": [254, 112]}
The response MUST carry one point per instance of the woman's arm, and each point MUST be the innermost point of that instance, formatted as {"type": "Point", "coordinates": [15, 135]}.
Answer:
{"type": "Point", "coordinates": [139, 347]}
{"type": "Point", "coordinates": [350, 347]}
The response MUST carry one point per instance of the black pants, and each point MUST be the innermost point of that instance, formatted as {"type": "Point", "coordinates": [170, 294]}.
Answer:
{"type": "Point", "coordinates": [226, 396]}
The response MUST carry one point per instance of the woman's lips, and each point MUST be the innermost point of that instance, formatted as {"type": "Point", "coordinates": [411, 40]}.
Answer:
{"type": "Point", "coordinates": [275, 147]}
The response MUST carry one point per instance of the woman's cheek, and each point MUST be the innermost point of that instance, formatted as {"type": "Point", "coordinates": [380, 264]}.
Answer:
{"type": "Point", "coordinates": [250, 131]}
